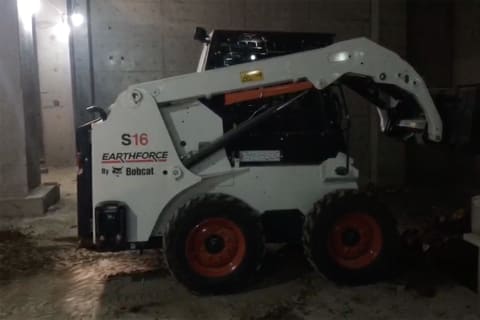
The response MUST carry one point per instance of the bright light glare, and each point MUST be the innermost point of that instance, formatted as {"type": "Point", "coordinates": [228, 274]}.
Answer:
{"type": "Point", "coordinates": [26, 9]}
{"type": "Point", "coordinates": [61, 31]}
{"type": "Point", "coordinates": [253, 57]}
{"type": "Point", "coordinates": [77, 19]}
{"type": "Point", "coordinates": [340, 56]}
{"type": "Point", "coordinates": [254, 72]}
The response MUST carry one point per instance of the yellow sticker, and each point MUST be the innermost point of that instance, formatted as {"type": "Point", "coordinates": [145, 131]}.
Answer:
{"type": "Point", "coordinates": [249, 76]}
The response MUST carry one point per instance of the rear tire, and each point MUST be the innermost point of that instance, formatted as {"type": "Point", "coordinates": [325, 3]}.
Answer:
{"type": "Point", "coordinates": [351, 238]}
{"type": "Point", "coordinates": [214, 244]}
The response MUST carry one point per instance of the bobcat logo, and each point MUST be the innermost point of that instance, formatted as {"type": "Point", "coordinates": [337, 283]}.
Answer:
{"type": "Point", "coordinates": [117, 171]}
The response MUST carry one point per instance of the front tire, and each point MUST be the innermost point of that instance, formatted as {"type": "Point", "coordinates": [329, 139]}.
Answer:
{"type": "Point", "coordinates": [214, 244]}
{"type": "Point", "coordinates": [351, 238]}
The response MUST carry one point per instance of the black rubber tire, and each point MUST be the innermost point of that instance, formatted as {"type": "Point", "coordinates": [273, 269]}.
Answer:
{"type": "Point", "coordinates": [210, 206]}
{"type": "Point", "coordinates": [322, 218]}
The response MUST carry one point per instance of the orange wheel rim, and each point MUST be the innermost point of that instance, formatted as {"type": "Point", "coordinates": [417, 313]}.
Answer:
{"type": "Point", "coordinates": [215, 247]}
{"type": "Point", "coordinates": [355, 241]}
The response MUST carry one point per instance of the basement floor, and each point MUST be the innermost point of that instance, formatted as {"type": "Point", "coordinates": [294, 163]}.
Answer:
{"type": "Point", "coordinates": [44, 276]}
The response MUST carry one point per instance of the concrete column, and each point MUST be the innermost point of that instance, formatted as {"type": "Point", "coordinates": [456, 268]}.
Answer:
{"type": "Point", "coordinates": [372, 112]}
{"type": "Point", "coordinates": [20, 159]}
{"type": "Point", "coordinates": [387, 155]}
{"type": "Point", "coordinates": [20, 131]}
{"type": "Point", "coordinates": [81, 61]}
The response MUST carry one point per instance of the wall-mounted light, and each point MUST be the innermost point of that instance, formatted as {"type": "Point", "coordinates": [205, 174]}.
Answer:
{"type": "Point", "coordinates": [77, 19]}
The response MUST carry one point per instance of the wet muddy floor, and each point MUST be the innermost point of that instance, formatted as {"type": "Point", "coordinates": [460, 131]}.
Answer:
{"type": "Point", "coordinates": [43, 275]}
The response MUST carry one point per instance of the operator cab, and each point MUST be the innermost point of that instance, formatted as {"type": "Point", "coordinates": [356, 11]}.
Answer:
{"type": "Point", "coordinates": [307, 133]}
{"type": "Point", "coordinates": [320, 115]}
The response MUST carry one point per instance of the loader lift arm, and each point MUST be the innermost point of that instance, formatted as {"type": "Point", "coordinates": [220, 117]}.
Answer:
{"type": "Point", "coordinates": [353, 62]}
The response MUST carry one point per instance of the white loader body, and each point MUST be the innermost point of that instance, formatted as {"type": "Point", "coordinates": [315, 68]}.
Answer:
{"type": "Point", "coordinates": [138, 152]}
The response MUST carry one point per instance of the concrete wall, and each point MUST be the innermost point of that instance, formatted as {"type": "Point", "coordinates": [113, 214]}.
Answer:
{"type": "Point", "coordinates": [142, 40]}
{"type": "Point", "coordinates": [55, 85]}
{"type": "Point", "coordinates": [466, 55]}
{"type": "Point", "coordinates": [430, 51]}
{"type": "Point", "coordinates": [134, 41]}
{"type": "Point", "coordinates": [466, 70]}
{"type": "Point", "coordinates": [430, 40]}
{"type": "Point", "coordinates": [444, 41]}
{"type": "Point", "coordinates": [19, 104]}
{"type": "Point", "coordinates": [444, 46]}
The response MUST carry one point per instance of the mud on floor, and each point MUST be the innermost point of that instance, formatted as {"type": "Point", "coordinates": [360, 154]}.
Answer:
{"type": "Point", "coordinates": [55, 280]}
{"type": "Point", "coordinates": [44, 276]}
{"type": "Point", "coordinates": [22, 255]}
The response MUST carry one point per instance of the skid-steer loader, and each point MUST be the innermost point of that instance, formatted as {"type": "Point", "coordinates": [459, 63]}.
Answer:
{"type": "Point", "coordinates": [252, 148]}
